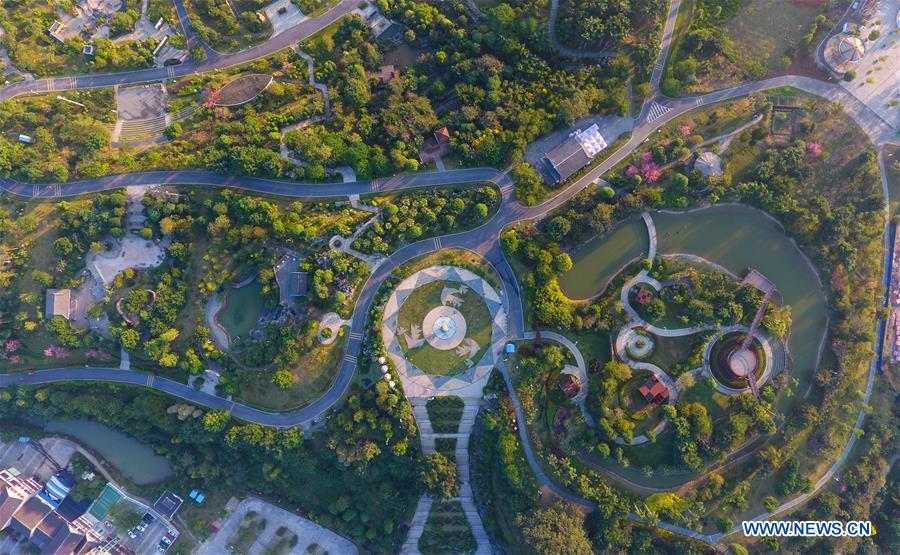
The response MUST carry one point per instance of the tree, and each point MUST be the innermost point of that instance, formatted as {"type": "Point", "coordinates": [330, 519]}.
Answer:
{"type": "Point", "coordinates": [438, 475]}
{"type": "Point", "coordinates": [129, 338]}
{"type": "Point", "coordinates": [215, 421]}
{"type": "Point", "coordinates": [558, 528]}
{"type": "Point", "coordinates": [559, 227]}
{"type": "Point", "coordinates": [529, 184]}
{"type": "Point", "coordinates": [123, 515]}
{"type": "Point", "coordinates": [562, 263]}
{"type": "Point", "coordinates": [284, 379]}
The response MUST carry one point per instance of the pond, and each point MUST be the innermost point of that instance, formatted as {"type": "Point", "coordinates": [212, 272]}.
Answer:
{"type": "Point", "coordinates": [601, 258]}
{"type": "Point", "coordinates": [738, 237]}
{"type": "Point", "coordinates": [243, 307]}
{"type": "Point", "coordinates": [138, 462]}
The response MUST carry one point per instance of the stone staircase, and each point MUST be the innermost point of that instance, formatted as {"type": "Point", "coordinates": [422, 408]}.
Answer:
{"type": "Point", "coordinates": [428, 437]}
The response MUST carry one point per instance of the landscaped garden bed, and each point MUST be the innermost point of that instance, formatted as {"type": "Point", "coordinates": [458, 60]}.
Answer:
{"type": "Point", "coordinates": [444, 414]}
{"type": "Point", "coordinates": [447, 530]}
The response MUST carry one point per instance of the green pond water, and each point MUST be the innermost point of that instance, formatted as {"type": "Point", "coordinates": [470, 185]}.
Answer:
{"type": "Point", "coordinates": [242, 309]}
{"type": "Point", "coordinates": [138, 462]}
{"type": "Point", "coordinates": [601, 258]}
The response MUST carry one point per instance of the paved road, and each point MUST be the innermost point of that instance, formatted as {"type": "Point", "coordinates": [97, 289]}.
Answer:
{"type": "Point", "coordinates": [213, 61]}
{"type": "Point", "coordinates": [254, 184]}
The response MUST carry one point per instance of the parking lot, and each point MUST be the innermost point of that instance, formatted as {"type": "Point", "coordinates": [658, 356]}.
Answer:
{"type": "Point", "coordinates": [147, 542]}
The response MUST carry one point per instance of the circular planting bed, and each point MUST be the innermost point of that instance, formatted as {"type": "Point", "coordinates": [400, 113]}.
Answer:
{"type": "Point", "coordinates": [444, 327]}
{"type": "Point", "coordinates": [640, 345]}
{"type": "Point", "coordinates": [731, 365]}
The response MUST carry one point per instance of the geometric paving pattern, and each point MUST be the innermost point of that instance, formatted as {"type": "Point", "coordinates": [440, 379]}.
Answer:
{"type": "Point", "coordinates": [417, 383]}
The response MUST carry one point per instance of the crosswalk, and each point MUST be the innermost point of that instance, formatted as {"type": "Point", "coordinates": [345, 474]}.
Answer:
{"type": "Point", "coordinates": [150, 379]}
{"type": "Point", "coordinates": [698, 101]}
{"type": "Point", "coordinates": [437, 243]}
{"type": "Point", "coordinates": [376, 183]}
{"type": "Point", "coordinates": [356, 336]}
{"type": "Point", "coordinates": [657, 111]}
{"type": "Point", "coordinates": [171, 71]}
{"type": "Point", "coordinates": [350, 358]}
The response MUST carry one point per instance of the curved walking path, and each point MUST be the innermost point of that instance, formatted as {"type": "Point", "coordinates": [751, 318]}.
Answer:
{"type": "Point", "coordinates": [579, 370]}
{"type": "Point", "coordinates": [482, 240]}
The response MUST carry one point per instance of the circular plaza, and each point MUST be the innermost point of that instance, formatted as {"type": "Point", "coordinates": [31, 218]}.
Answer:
{"type": "Point", "coordinates": [443, 327]}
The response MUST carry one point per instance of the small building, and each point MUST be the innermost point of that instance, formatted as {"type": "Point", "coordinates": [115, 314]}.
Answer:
{"type": "Point", "coordinates": [442, 136]}
{"type": "Point", "coordinates": [708, 163]}
{"type": "Point", "coordinates": [168, 504]}
{"type": "Point", "coordinates": [88, 50]}
{"type": "Point", "coordinates": [644, 296]}
{"type": "Point", "coordinates": [844, 52]}
{"type": "Point", "coordinates": [569, 385]}
{"type": "Point", "coordinates": [654, 391]}
{"type": "Point", "coordinates": [572, 154]}
{"type": "Point", "coordinates": [56, 29]}
{"type": "Point", "coordinates": [59, 303]}
{"type": "Point", "coordinates": [27, 139]}
{"type": "Point", "coordinates": [386, 75]}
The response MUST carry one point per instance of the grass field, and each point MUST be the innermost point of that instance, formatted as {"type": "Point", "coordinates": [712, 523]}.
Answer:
{"type": "Point", "coordinates": [478, 327]}
{"type": "Point", "coordinates": [766, 39]}
{"type": "Point", "coordinates": [313, 375]}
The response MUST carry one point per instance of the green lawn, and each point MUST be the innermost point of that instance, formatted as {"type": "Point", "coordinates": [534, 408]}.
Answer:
{"type": "Point", "coordinates": [313, 375]}
{"type": "Point", "coordinates": [242, 309]}
{"type": "Point", "coordinates": [478, 327]}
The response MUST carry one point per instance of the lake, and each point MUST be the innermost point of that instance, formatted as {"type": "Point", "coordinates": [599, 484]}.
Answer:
{"type": "Point", "coordinates": [604, 256]}
{"type": "Point", "coordinates": [138, 462]}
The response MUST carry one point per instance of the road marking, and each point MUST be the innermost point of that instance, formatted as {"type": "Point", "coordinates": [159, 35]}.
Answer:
{"type": "Point", "coordinates": [657, 111]}
{"type": "Point", "coordinates": [698, 101]}
{"type": "Point", "coordinates": [49, 84]}
{"type": "Point", "coordinates": [437, 243]}
{"type": "Point", "coordinates": [350, 358]}
{"type": "Point", "coordinates": [35, 191]}
{"type": "Point", "coordinates": [375, 184]}
{"type": "Point", "coordinates": [356, 335]}
{"type": "Point", "coordinates": [171, 72]}
{"type": "Point", "coordinates": [57, 192]}
{"type": "Point", "coordinates": [507, 188]}
{"type": "Point", "coordinates": [150, 380]}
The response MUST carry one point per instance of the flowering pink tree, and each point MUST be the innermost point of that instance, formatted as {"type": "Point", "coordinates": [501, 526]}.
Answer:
{"type": "Point", "coordinates": [15, 359]}
{"type": "Point", "coordinates": [814, 149]}
{"type": "Point", "coordinates": [685, 130]}
{"type": "Point", "coordinates": [12, 345]}
{"type": "Point", "coordinates": [57, 351]}
{"type": "Point", "coordinates": [632, 171]}
{"type": "Point", "coordinates": [650, 172]}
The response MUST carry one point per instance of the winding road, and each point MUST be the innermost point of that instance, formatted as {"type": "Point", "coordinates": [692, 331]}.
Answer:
{"type": "Point", "coordinates": [482, 240]}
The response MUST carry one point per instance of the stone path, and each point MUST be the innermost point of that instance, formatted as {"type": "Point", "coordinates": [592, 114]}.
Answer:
{"type": "Point", "coordinates": [461, 456]}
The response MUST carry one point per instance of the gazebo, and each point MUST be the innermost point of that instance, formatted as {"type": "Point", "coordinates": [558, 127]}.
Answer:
{"type": "Point", "coordinates": [844, 52]}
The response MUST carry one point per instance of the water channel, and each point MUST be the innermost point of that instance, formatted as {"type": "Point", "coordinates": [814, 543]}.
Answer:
{"type": "Point", "coordinates": [138, 462]}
